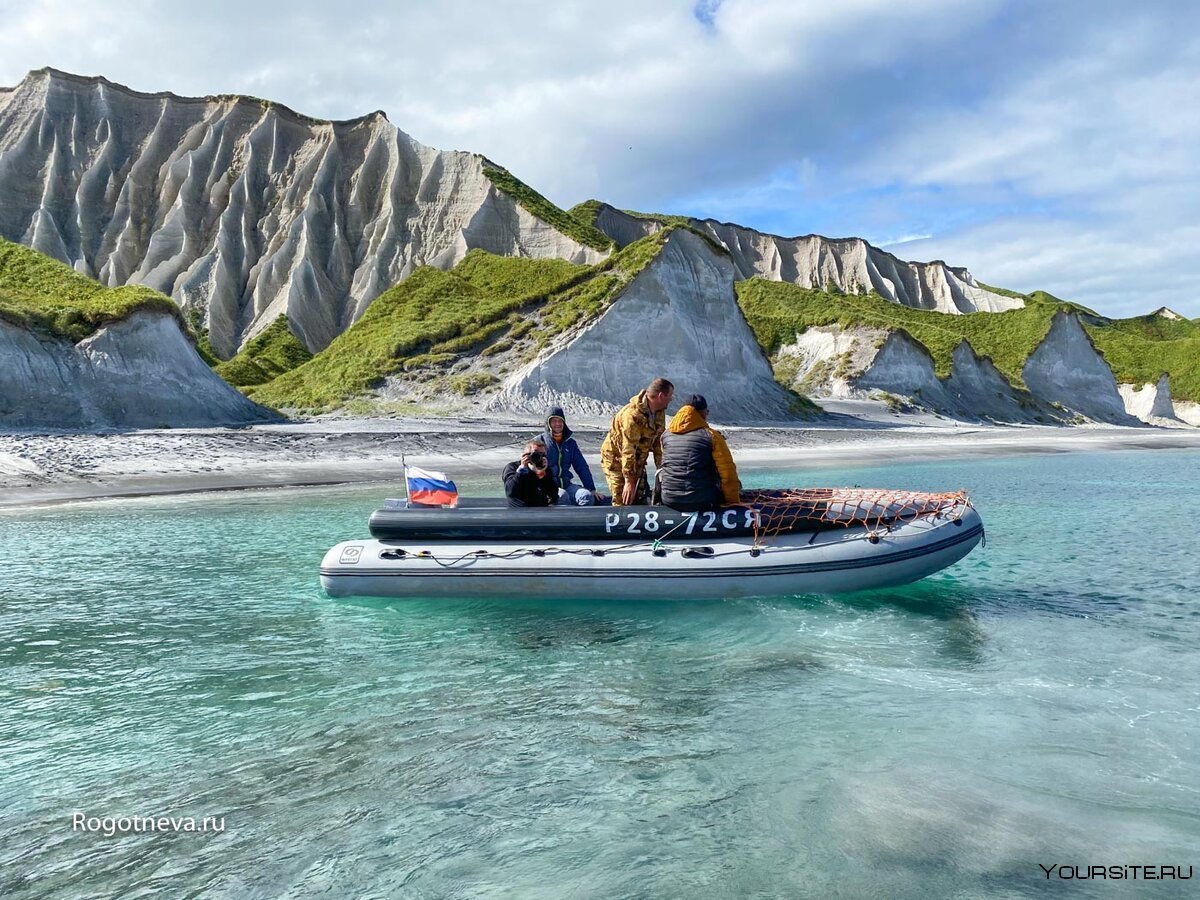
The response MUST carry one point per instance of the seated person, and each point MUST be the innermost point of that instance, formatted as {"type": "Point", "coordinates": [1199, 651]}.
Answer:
{"type": "Point", "coordinates": [564, 455]}
{"type": "Point", "coordinates": [697, 468]}
{"type": "Point", "coordinates": [528, 482]}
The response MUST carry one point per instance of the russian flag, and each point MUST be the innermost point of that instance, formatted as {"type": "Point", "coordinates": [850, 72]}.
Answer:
{"type": "Point", "coordinates": [430, 488]}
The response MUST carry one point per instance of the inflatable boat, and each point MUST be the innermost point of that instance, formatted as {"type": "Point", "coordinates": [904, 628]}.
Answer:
{"type": "Point", "coordinates": [773, 543]}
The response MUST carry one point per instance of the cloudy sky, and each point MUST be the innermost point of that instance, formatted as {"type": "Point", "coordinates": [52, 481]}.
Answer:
{"type": "Point", "coordinates": [1042, 145]}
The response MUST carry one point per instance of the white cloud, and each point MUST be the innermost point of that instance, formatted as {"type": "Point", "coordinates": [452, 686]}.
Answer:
{"type": "Point", "coordinates": [1100, 265]}
{"type": "Point", "coordinates": [1063, 134]}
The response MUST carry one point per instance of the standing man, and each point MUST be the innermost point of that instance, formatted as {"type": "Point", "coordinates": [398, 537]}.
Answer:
{"type": "Point", "coordinates": [564, 455]}
{"type": "Point", "coordinates": [636, 432]}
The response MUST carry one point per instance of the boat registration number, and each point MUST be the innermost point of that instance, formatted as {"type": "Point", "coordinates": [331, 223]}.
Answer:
{"type": "Point", "coordinates": [653, 522]}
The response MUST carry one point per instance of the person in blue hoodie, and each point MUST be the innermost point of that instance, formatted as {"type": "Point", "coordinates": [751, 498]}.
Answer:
{"type": "Point", "coordinates": [564, 456]}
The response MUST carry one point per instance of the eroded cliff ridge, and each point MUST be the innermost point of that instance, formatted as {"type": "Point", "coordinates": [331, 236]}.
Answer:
{"type": "Point", "coordinates": [245, 210]}
{"type": "Point", "coordinates": [848, 265]}
{"type": "Point", "coordinates": [77, 355]}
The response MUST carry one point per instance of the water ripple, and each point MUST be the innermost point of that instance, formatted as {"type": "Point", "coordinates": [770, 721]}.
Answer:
{"type": "Point", "coordinates": [174, 657]}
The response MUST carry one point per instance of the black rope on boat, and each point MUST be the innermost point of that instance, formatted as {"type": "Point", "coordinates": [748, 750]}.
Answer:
{"type": "Point", "coordinates": [656, 546]}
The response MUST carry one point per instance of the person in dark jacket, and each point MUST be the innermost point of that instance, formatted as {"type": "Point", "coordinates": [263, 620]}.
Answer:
{"type": "Point", "coordinates": [697, 468]}
{"type": "Point", "coordinates": [565, 456]}
{"type": "Point", "coordinates": [527, 481]}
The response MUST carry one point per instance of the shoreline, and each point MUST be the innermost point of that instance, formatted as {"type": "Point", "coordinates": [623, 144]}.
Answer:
{"type": "Point", "coordinates": [44, 470]}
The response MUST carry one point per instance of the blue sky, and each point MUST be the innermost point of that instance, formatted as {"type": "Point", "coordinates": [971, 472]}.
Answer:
{"type": "Point", "coordinates": [1048, 146]}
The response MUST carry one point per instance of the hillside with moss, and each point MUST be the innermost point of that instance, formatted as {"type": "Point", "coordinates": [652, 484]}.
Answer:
{"type": "Point", "coordinates": [76, 354]}
{"type": "Point", "coordinates": [265, 357]}
{"type": "Point", "coordinates": [49, 297]}
{"type": "Point", "coordinates": [1138, 350]}
{"type": "Point", "coordinates": [458, 332]}
{"type": "Point", "coordinates": [313, 224]}
{"type": "Point", "coordinates": [575, 227]}
{"type": "Point", "coordinates": [1142, 348]}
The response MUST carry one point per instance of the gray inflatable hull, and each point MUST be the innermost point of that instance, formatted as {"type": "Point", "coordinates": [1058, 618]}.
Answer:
{"type": "Point", "coordinates": [819, 562]}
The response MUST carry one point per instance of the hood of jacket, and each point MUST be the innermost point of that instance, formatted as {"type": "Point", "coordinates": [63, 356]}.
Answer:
{"type": "Point", "coordinates": [551, 413]}
{"type": "Point", "coordinates": [687, 419]}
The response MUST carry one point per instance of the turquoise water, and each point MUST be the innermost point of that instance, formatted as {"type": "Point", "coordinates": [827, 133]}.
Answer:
{"type": "Point", "coordinates": [1037, 703]}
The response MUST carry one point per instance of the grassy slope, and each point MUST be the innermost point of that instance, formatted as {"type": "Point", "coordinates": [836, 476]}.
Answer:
{"type": "Point", "coordinates": [431, 319]}
{"type": "Point", "coordinates": [534, 203]}
{"type": "Point", "coordinates": [778, 311]}
{"type": "Point", "coordinates": [1141, 349]}
{"type": "Point", "coordinates": [586, 212]}
{"type": "Point", "coordinates": [275, 351]}
{"type": "Point", "coordinates": [48, 296]}
{"type": "Point", "coordinates": [1138, 350]}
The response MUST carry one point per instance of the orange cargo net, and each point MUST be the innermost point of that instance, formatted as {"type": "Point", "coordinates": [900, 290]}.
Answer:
{"type": "Point", "coordinates": [798, 509]}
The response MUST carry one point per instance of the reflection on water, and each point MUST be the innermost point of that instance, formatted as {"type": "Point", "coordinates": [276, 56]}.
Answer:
{"type": "Point", "coordinates": [176, 657]}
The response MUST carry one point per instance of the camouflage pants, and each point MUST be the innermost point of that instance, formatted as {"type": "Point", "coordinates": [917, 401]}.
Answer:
{"type": "Point", "coordinates": [616, 484]}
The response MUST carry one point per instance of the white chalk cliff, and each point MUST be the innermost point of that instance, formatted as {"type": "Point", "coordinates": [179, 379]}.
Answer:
{"type": "Point", "coordinates": [139, 372]}
{"type": "Point", "coordinates": [241, 208]}
{"type": "Point", "coordinates": [677, 318]}
{"type": "Point", "coordinates": [1151, 402]}
{"type": "Point", "coordinates": [850, 265]}
{"type": "Point", "coordinates": [1066, 378]}
{"type": "Point", "coordinates": [861, 362]}
{"type": "Point", "coordinates": [1187, 411]}
{"type": "Point", "coordinates": [1065, 368]}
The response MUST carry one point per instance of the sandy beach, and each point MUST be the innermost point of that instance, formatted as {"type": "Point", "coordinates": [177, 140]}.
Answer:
{"type": "Point", "coordinates": [38, 469]}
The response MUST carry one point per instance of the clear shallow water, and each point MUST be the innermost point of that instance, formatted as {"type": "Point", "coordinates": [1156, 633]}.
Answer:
{"type": "Point", "coordinates": [1037, 703]}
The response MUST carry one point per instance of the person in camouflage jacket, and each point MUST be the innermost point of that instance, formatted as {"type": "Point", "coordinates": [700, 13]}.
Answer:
{"type": "Point", "coordinates": [636, 432]}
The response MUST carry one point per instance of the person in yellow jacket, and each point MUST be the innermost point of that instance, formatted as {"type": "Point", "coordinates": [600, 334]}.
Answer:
{"type": "Point", "coordinates": [697, 470]}
{"type": "Point", "coordinates": [636, 432]}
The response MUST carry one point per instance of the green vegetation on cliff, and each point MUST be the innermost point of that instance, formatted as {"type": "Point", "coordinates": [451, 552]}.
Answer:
{"type": "Point", "coordinates": [1141, 349]}
{"type": "Point", "coordinates": [778, 311]}
{"type": "Point", "coordinates": [484, 307]}
{"type": "Point", "coordinates": [1138, 350]}
{"type": "Point", "coordinates": [589, 210]}
{"type": "Point", "coordinates": [586, 212]}
{"type": "Point", "coordinates": [275, 351]}
{"type": "Point", "coordinates": [45, 295]}
{"type": "Point", "coordinates": [533, 202]}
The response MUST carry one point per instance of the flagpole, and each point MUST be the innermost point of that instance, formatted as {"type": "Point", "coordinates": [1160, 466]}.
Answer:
{"type": "Point", "coordinates": [404, 467]}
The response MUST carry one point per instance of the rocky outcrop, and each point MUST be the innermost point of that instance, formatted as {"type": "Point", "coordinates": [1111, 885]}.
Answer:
{"type": "Point", "coordinates": [849, 265]}
{"type": "Point", "coordinates": [978, 388]}
{"type": "Point", "coordinates": [622, 228]}
{"type": "Point", "coordinates": [1151, 402]}
{"type": "Point", "coordinates": [1188, 412]}
{"type": "Point", "coordinates": [1066, 378]}
{"type": "Point", "coordinates": [677, 318]}
{"type": "Point", "coordinates": [139, 372]}
{"type": "Point", "coordinates": [861, 362]}
{"type": "Point", "coordinates": [1066, 369]}
{"type": "Point", "coordinates": [242, 208]}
